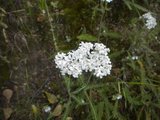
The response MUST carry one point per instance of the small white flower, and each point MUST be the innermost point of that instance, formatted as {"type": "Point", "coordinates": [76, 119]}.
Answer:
{"type": "Point", "coordinates": [134, 57]}
{"type": "Point", "coordinates": [156, 37]}
{"type": "Point", "coordinates": [82, 100]}
{"type": "Point", "coordinates": [107, 1]}
{"type": "Point", "coordinates": [43, 11]}
{"type": "Point", "coordinates": [117, 97]}
{"type": "Point", "coordinates": [150, 20]}
{"type": "Point", "coordinates": [47, 109]}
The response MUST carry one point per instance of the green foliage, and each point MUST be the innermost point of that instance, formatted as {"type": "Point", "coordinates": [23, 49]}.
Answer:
{"type": "Point", "coordinates": [86, 37]}
{"type": "Point", "coordinates": [132, 5]}
{"type": "Point", "coordinates": [32, 31]}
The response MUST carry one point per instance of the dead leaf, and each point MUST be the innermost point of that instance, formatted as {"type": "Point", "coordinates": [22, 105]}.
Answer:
{"type": "Point", "coordinates": [58, 110]}
{"type": "Point", "coordinates": [7, 113]}
{"type": "Point", "coordinates": [69, 118]}
{"type": "Point", "coordinates": [34, 109]}
{"type": "Point", "coordinates": [51, 97]}
{"type": "Point", "coordinates": [41, 18]}
{"type": "Point", "coordinates": [7, 93]}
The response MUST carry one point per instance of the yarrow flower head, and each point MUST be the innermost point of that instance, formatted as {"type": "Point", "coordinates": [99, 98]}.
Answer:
{"type": "Point", "coordinates": [150, 20]}
{"type": "Point", "coordinates": [88, 57]}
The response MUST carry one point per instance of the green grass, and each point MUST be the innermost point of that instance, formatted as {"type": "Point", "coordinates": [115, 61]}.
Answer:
{"type": "Point", "coordinates": [32, 32]}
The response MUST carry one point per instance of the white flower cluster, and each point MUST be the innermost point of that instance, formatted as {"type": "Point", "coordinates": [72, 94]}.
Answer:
{"type": "Point", "coordinates": [88, 57]}
{"type": "Point", "coordinates": [150, 20]}
{"type": "Point", "coordinates": [107, 1]}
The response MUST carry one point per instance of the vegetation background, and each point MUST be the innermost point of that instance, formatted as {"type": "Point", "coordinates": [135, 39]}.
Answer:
{"type": "Point", "coordinates": [33, 31]}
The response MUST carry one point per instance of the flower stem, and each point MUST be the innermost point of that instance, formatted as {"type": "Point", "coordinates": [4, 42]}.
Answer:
{"type": "Point", "coordinates": [91, 106]}
{"type": "Point", "coordinates": [52, 28]}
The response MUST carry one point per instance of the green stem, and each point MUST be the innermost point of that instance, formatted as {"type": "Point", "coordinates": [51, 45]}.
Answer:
{"type": "Point", "coordinates": [95, 86]}
{"type": "Point", "coordinates": [91, 106]}
{"type": "Point", "coordinates": [101, 20]}
{"type": "Point", "coordinates": [68, 85]}
{"type": "Point", "coordinates": [52, 28]}
{"type": "Point", "coordinates": [67, 109]}
{"type": "Point", "coordinates": [90, 77]}
{"type": "Point", "coordinates": [119, 88]}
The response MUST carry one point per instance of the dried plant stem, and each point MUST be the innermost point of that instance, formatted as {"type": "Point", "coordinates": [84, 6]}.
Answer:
{"type": "Point", "coordinates": [52, 28]}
